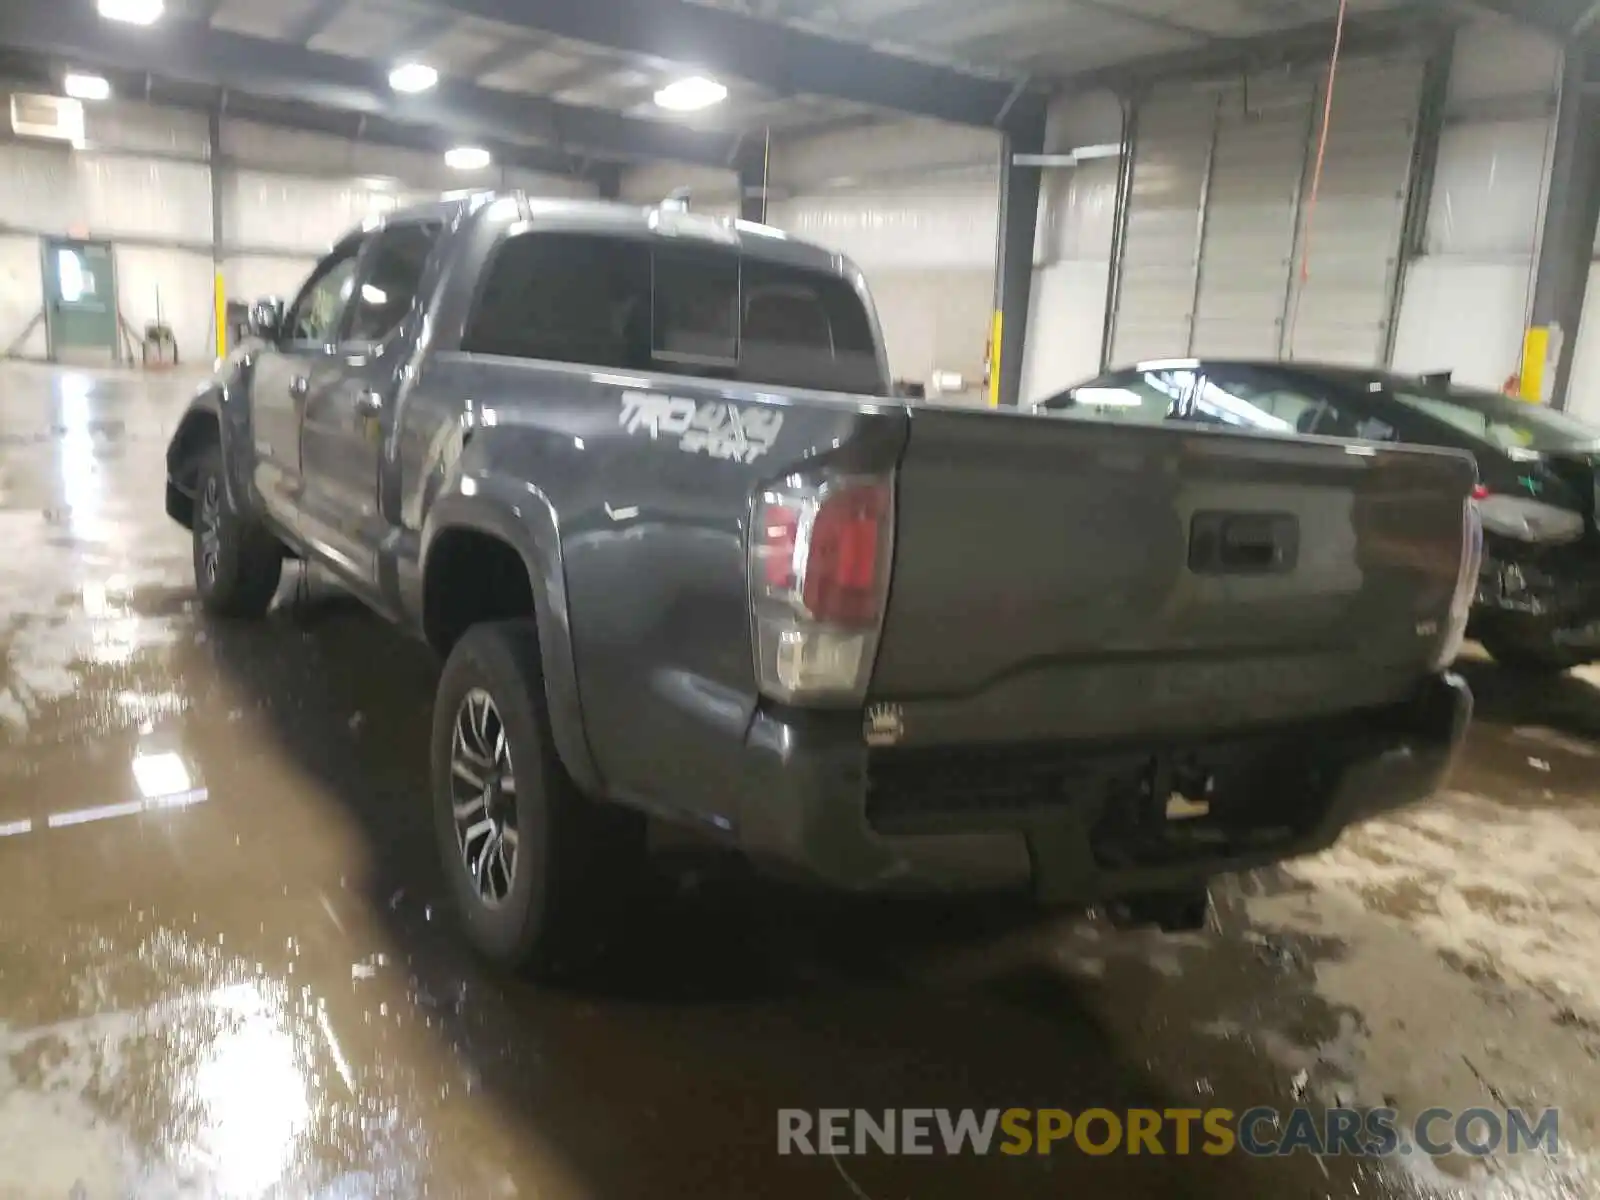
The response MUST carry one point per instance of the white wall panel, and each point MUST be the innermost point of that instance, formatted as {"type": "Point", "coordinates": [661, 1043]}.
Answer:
{"type": "Point", "coordinates": [1583, 390]}
{"type": "Point", "coordinates": [653, 183]}
{"type": "Point", "coordinates": [539, 183]}
{"type": "Point", "coordinates": [128, 126]}
{"type": "Point", "coordinates": [1463, 316]}
{"type": "Point", "coordinates": [52, 190]}
{"type": "Point", "coordinates": [136, 196]}
{"type": "Point", "coordinates": [36, 187]}
{"type": "Point", "coordinates": [176, 283]}
{"type": "Point", "coordinates": [21, 294]}
{"type": "Point", "coordinates": [1488, 188]}
{"type": "Point", "coordinates": [1081, 219]}
{"type": "Point", "coordinates": [253, 276]}
{"type": "Point", "coordinates": [909, 149]}
{"type": "Point", "coordinates": [934, 320]}
{"type": "Point", "coordinates": [935, 225]}
{"type": "Point", "coordinates": [1065, 322]}
{"type": "Point", "coordinates": [295, 213]}
{"type": "Point", "coordinates": [1496, 57]}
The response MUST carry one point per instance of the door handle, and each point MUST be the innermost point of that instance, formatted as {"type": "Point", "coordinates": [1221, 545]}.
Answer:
{"type": "Point", "coordinates": [299, 386]}
{"type": "Point", "coordinates": [368, 404]}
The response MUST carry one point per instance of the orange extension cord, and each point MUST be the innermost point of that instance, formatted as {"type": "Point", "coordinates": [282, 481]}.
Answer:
{"type": "Point", "coordinates": [1316, 176]}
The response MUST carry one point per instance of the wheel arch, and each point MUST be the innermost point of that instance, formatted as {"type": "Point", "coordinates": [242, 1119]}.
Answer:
{"type": "Point", "coordinates": [468, 540]}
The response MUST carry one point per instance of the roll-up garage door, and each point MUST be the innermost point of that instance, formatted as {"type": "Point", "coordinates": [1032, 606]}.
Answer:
{"type": "Point", "coordinates": [1218, 211]}
{"type": "Point", "coordinates": [1343, 311]}
{"type": "Point", "coordinates": [1156, 294]}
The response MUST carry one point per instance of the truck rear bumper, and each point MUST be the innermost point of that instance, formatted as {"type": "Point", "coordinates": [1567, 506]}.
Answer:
{"type": "Point", "coordinates": [1081, 823]}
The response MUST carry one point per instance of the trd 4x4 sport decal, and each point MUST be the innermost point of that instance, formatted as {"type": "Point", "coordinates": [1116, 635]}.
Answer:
{"type": "Point", "coordinates": [743, 432]}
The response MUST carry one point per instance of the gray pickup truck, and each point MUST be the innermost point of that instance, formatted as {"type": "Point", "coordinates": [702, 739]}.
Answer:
{"type": "Point", "coordinates": [636, 474]}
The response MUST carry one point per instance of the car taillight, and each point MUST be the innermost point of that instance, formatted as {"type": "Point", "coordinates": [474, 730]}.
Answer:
{"type": "Point", "coordinates": [819, 576]}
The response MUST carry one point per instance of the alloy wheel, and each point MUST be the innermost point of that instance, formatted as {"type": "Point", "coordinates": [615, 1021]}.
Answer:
{"type": "Point", "coordinates": [210, 529]}
{"type": "Point", "coordinates": [483, 797]}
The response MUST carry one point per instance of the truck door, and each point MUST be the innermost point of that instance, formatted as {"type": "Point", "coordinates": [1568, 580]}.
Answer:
{"type": "Point", "coordinates": [346, 420]}
{"type": "Point", "coordinates": [287, 374]}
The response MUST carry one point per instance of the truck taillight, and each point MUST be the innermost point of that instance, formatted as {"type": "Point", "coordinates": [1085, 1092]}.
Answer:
{"type": "Point", "coordinates": [1455, 632]}
{"type": "Point", "coordinates": [819, 576]}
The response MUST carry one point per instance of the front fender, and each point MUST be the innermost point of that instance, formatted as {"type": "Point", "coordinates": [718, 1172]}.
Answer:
{"type": "Point", "coordinates": [520, 515]}
{"type": "Point", "coordinates": [220, 409]}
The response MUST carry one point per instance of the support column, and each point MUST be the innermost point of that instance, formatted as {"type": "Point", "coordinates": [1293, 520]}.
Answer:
{"type": "Point", "coordinates": [753, 184]}
{"type": "Point", "coordinates": [1567, 242]}
{"type": "Point", "coordinates": [1013, 279]}
{"type": "Point", "coordinates": [219, 293]}
{"type": "Point", "coordinates": [608, 181]}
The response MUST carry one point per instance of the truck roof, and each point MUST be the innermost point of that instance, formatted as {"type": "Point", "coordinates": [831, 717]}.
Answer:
{"type": "Point", "coordinates": [570, 215]}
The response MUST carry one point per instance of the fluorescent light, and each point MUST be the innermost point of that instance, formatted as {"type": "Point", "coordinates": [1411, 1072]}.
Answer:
{"type": "Point", "coordinates": [688, 95]}
{"type": "Point", "coordinates": [161, 775]}
{"type": "Point", "coordinates": [133, 12]}
{"type": "Point", "coordinates": [467, 158]}
{"type": "Point", "coordinates": [86, 87]}
{"type": "Point", "coordinates": [413, 77]}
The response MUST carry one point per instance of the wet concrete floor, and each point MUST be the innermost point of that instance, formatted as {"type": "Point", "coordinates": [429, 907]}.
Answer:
{"type": "Point", "coordinates": [248, 987]}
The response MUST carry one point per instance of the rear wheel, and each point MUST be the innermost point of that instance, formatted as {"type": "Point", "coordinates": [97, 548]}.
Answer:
{"type": "Point", "coordinates": [237, 563]}
{"type": "Point", "coordinates": [1534, 656]}
{"type": "Point", "coordinates": [534, 868]}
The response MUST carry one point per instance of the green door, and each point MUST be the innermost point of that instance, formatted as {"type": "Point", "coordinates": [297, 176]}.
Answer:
{"type": "Point", "coordinates": [80, 300]}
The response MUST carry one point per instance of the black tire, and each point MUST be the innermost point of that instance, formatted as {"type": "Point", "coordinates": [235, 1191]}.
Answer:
{"type": "Point", "coordinates": [572, 861]}
{"type": "Point", "coordinates": [1530, 656]}
{"type": "Point", "coordinates": [237, 563]}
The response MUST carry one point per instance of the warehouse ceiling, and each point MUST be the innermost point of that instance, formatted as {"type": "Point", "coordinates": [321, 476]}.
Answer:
{"type": "Point", "coordinates": [570, 84]}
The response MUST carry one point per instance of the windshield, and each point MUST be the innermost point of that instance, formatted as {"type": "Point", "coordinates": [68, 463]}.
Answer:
{"type": "Point", "coordinates": [1501, 421]}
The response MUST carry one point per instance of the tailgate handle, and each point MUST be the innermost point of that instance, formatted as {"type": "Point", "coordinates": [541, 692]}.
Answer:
{"type": "Point", "coordinates": [1224, 543]}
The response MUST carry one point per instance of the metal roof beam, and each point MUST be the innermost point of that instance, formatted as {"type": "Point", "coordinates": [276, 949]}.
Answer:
{"type": "Point", "coordinates": [183, 49]}
{"type": "Point", "coordinates": [780, 57]}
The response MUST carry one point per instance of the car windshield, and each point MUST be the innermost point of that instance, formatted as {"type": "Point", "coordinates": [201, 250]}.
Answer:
{"type": "Point", "coordinates": [1500, 420]}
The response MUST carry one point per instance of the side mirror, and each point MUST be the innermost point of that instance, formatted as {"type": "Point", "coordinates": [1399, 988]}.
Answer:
{"type": "Point", "coordinates": [266, 319]}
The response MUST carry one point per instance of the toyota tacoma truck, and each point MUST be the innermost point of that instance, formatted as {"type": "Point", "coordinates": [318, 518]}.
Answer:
{"type": "Point", "coordinates": [637, 475]}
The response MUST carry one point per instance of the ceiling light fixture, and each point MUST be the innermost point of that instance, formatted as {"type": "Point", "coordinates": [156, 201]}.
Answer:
{"type": "Point", "coordinates": [132, 12]}
{"type": "Point", "coordinates": [467, 158]}
{"type": "Point", "coordinates": [86, 87]}
{"type": "Point", "coordinates": [691, 94]}
{"type": "Point", "coordinates": [413, 77]}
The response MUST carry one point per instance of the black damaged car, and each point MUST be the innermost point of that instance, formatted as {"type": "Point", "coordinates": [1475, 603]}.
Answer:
{"type": "Point", "coordinates": [1538, 602]}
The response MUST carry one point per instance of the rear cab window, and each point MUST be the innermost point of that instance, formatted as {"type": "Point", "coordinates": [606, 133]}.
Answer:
{"type": "Point", "coordinates": [687, 308]}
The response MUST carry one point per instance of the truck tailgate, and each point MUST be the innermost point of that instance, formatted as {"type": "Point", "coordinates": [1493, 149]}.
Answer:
{"type": "Point", "coordinates": [1059, 579]}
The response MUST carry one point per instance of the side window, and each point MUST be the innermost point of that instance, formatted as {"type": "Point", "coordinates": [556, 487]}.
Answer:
{"type": "Point", "coordinates": [393, 274]}
{"type": "Point", "coordinates": [1146, 397]}
{"type": "Point", "coordinates": [569, 299]}
{"type": "Point", "coordinates": [316, 313]}
{"type": "Point", "coordinates": [1281, 405]}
